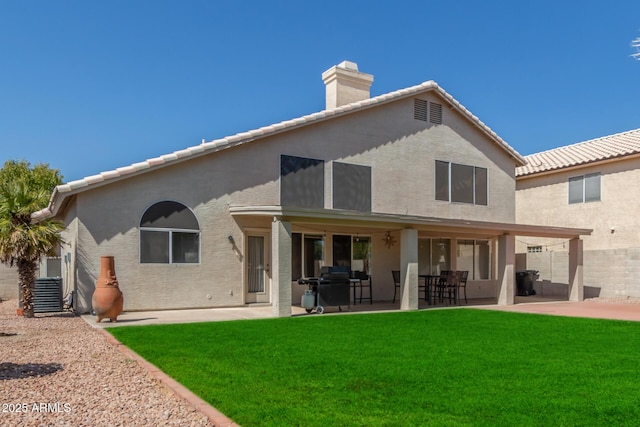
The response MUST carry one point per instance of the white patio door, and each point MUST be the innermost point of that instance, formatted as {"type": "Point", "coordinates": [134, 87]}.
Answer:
{"type": "Point", "coordinates": [258, 278]}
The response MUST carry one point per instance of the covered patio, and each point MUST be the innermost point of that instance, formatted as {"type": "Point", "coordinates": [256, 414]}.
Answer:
{"type": "Point", "coordinates": [395, 245]}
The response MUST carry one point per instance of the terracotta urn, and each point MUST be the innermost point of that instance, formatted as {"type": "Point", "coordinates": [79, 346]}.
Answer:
{"type": "Point", "coordinates": [107, 298]}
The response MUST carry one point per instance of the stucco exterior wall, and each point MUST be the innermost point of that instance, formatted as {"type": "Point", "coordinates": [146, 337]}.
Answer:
{"type": "Point", "coordinates": [400, 150]}
{"type": "Point", "coordinates": [8, 282]}
{"type": "Point", "coordinates": [611, 253]}
{"type": "Point", "coordinates": [543, 200]}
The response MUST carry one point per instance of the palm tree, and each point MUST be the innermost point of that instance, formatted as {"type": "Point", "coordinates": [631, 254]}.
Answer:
{"type": "Point", "coordinates": [23, 242]}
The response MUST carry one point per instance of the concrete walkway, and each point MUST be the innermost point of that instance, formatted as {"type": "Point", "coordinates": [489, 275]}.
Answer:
{"type": "Point", "coordinates": [588, 308]}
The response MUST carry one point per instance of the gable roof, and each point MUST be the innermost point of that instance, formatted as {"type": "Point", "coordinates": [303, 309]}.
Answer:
{"type": "Point", "coordinates": [595, 150]}
{"type": "Point", "coordinates": [65, 190]}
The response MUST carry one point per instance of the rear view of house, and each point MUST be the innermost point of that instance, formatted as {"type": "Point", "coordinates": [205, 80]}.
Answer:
{"type": "Point", "coordinates": [408, 181]}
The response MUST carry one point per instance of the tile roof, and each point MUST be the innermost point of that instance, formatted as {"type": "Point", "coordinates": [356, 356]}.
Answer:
{"type": "Point", "coordinates": [595, 150]}
{"type": "Point", "coordinates": [103, 178]}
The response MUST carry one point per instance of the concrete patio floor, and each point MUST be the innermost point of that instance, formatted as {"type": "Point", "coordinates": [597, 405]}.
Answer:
{"type": "Point", "coordinates": [588, 308]}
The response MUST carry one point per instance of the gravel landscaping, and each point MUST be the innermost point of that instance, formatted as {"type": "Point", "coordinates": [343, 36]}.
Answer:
{"type": "Point", "coordinates": [57, 370]}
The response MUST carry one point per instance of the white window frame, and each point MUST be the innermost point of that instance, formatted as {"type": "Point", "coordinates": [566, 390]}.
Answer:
{"type": "Point", "coordinates": [169, 234]}
{"type": "Point", "coordinates": [450, 185]}
{"type": "Point", "coordinates": [584, 180]}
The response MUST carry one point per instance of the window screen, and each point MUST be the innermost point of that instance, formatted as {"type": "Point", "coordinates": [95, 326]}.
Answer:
{"type": "Point", "coordinates": [351, 187]}
{"type": "Point", "coordinates": [576, 185]}
{"type": "Point", "coordinates": [442, 180]}
{"type": "Point", "coordinates": [301, 182]}
{"type": "Point", "coordinates": [481, 186]}
{"type": "Point", "coordinates": [169, 214]}
{"type": "Point", "coordinates": [592, 187]}
{"type": "Point", "coordinates": [154, 247]}
{"type": "Point", "coordinates": [584, 188]}
{"type": "Point", "coordinates": [461, 183]}
{"type": "Point", "coordinates": [169, 233]}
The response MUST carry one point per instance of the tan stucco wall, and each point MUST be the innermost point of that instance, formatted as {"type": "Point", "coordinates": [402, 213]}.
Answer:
{"type": "Point", "coordinates": [8, 282]}
{"type": "Point", "coordinates": [544, 201]}
{"type": "Point", "coordinates": [610, 258]}
{"type": "Point", "coordinates": [401, 151]}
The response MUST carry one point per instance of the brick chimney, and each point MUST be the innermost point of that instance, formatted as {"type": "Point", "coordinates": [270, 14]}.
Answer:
{"type": "Point", "coordinates": [345, 84]}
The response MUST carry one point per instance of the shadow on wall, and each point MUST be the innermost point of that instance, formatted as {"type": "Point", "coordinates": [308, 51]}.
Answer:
{"type": "Point", "coordinates": [85, 280]}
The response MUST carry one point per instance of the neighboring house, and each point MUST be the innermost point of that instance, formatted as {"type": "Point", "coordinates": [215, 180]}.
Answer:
{"type": "Point", "coordinates": [589, 184]}
{"type": "Point", "coordinates": [408, 181]}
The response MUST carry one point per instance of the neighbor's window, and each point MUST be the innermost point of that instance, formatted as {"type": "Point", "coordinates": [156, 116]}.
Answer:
{"type": "Point", "coordinates": [584, 188]}
{"type": "Point", "coordinates": [534, 249]}
{"type": "Point", "coordinates": [461, 183]}
{"type": "Point", "coordinates": [169, 234]}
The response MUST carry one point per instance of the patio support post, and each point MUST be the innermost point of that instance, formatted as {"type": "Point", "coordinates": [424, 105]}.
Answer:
{"type": "Point", "coordinates": [576, 285]}
{"type": "Point", "coordinates": [281, 268]}
{"type": "Point", "coordinates": [409, 269]}
{"type": "Point", "coordinates": [506, 269]}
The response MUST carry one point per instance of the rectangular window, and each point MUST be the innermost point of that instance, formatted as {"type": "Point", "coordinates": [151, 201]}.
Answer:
{"type": "Point", "coordinates": [307, 255]}
{"type": "Point", "coordinates": [301, 182]}
{"type": "Point", "coordinates": [534, 249]}
{"type": "Point", "coordinates": [461, 183]}
{"type": "Point", "coordinates": [353, 252]}
{"type": "Point", "coordinates": [440, 255]}
{"type": "Point", "coordinates": [185, 248]}
{"type": "Point", "coordinates": [351, 187]}
{"type": "Point", "coordinates": [154, 247]}
{"type": "Point", "coordinates": [481, 185]}
{"type": "Point", "coordinates": [474, 256]}
{"type": "Point", "coordinates": [442, 181]}
{"type": "Point", "coordinates": [361, 260]}
{"type": "Point", "coordinates": [584, 188]}
{"type": "Point", "coordinates": [169, 247]}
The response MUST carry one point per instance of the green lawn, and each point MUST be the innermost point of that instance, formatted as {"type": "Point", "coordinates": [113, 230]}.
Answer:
{"type": "Point", "coordinates": [435, 367]}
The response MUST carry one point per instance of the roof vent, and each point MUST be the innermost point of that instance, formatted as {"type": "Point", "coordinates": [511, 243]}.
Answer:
{"type": "Point", "coordinates": [345, 84]}
{"type": "Point", "coordinates": [423, 110]}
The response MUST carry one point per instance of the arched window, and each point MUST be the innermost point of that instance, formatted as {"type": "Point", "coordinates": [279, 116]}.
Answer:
{"type": "Point", "coordinates": [169, 234]}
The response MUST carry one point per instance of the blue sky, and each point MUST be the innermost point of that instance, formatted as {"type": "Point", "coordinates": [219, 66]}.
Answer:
{"type": "Point", "coordinates": [89, 86]}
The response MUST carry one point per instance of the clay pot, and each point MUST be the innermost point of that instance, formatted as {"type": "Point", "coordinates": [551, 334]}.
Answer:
{"type": "Point", "coordinates": [107, 298]}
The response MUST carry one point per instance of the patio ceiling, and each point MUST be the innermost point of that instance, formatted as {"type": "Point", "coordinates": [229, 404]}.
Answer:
{"type": "Point", "coordinates": [363, 222]}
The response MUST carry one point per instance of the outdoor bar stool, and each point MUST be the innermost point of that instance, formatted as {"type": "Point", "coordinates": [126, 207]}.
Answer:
{"type": "Point", "coordinates": [360, 279]}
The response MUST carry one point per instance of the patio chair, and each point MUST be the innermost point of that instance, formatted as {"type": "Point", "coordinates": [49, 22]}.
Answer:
{"type": "Point", "coordinates": [462, 283]}
{"type": "Point", "coordinates": [431, 284]}
{"type": "Point", "coordinates": [453, 285]}
{"type": "Point", "coordinates": [422, 287]}
{"type": "Point", "coordinates": [448, 283]}
{"type": "Point", "coordinates": [396, 282]}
